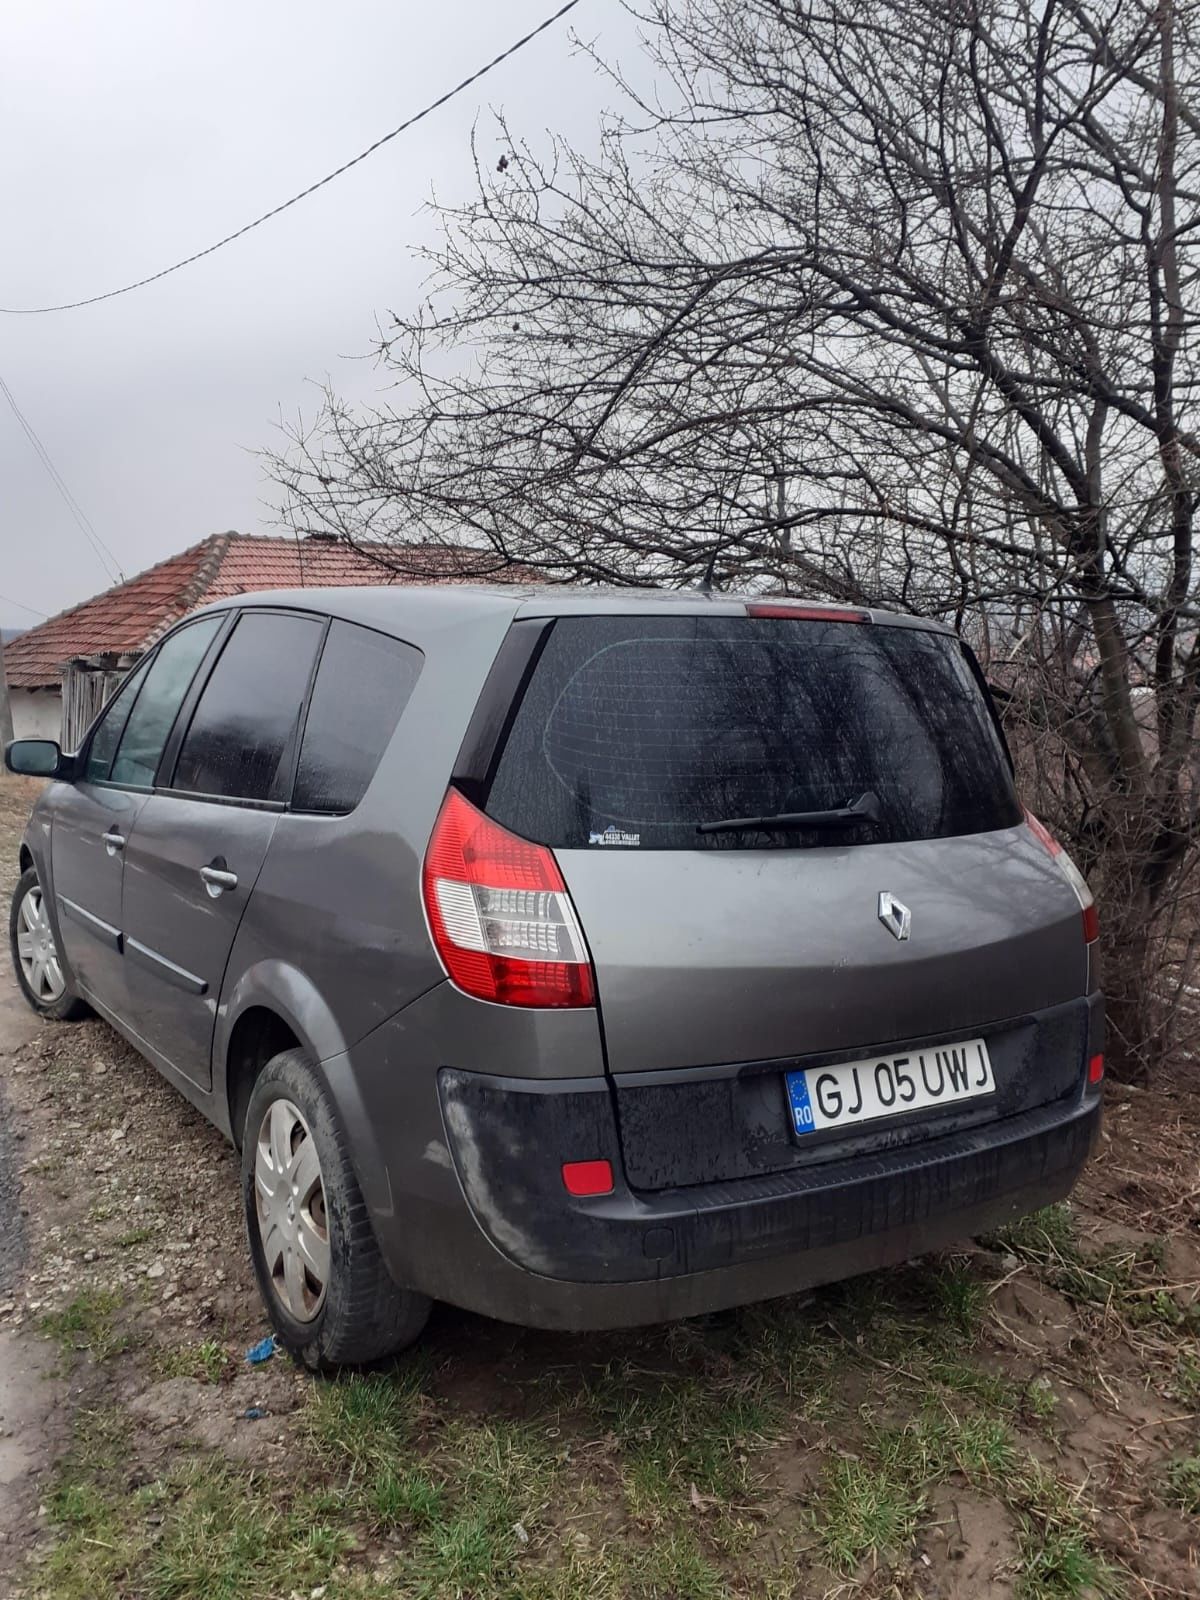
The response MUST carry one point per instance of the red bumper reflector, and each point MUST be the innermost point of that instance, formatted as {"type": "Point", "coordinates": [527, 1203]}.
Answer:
{"type": "Point", "coordinates": [1091, 924]}
{"type": "Point", "coordinates": [1095, 1069]}
{"type": "Point", "coordinates": [806, 613]}
{"type": "Point", "coordinates": [587, 1177]}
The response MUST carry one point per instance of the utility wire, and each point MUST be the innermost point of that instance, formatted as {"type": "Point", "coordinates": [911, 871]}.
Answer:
{"type": "Point", "coordinates": [74, 305]}
{"type": "Point", "coordinates": [102, 553]}
{"type": "Point", "coordinates": [21, 606]}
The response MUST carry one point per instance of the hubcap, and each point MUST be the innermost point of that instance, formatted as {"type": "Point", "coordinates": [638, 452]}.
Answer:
{"type": "Point", "coordinates": [36, 950]}
{"type": "Point", "coordinates": [290, 1203]}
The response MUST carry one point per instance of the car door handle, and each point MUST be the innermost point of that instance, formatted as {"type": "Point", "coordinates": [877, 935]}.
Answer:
{"type": "Point", "coordinates": [218, 879]}
{"type": "Point", "coordinates": [113, 842]}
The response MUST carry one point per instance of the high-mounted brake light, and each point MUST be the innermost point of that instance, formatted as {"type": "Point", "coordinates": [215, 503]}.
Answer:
{"type": "Point", "coordinates": [1087, 905]}
{"type": "Point", "coordinates": [806, 613]}
{"type": "Point", "coordinates": [500, 915]}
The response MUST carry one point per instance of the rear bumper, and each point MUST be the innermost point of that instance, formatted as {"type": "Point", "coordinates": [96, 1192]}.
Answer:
{"type": "Point", "coordinates": [461, 1172]}
{"type": "Point", "coordinates": [681, 1251]}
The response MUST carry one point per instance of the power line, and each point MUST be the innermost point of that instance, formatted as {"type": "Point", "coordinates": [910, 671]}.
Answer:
{"type": "Point", "coordinates": [101, 551]}
{"type": "Point", "coordinates": [74, 305]}
{"type": "Point", "coordinates": [21, 606]}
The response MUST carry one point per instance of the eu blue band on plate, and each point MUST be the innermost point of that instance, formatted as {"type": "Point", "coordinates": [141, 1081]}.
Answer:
{"type": "Point", "coordinates": [801, 1105]}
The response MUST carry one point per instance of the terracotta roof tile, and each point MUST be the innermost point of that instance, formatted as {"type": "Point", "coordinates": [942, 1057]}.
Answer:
{"type": "Point", "coordinates": [129, 617]}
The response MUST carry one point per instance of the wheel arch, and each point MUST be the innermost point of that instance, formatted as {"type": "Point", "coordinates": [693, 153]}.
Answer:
{"type": "Point", "coordinates": [258, 1034]}
{"type": "Point", "coordinates": [281, 1003]}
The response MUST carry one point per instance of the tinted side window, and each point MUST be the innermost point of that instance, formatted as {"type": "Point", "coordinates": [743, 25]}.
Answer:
{"type": "Point", "coordinates": [112, 724]}
{"type": "Point", "coordinates": [242, 736]}
{"type": "Point", "coordinates": [363, 684]}
{"type": "Point", "coordinates": [158, 702]}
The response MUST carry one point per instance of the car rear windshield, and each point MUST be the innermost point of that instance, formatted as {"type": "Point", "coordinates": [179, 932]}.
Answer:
{"type": "Point", "coordinates": [632, 731]}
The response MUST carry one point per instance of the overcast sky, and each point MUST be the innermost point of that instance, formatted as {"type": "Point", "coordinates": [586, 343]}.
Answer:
{"type": "Point", "coordinates": [134, 132]}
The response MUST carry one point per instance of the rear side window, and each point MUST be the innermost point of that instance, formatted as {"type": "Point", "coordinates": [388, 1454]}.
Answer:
{"type": "Point", "coordinates": [158, 702]}
{"type": "Point", "coordinates": [634, 730]}
{"type": "Point", "coordinates": [241, 742]}
{"type": "Point", "coordinates": [363, 684]}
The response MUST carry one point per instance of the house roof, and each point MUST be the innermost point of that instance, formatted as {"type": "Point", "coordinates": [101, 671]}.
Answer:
{"type": "Point", "coordinates": [127, 619]}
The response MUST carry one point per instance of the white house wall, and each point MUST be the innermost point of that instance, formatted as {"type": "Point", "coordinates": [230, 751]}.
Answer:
{"type": "Point", "coordinates": [36, 713]}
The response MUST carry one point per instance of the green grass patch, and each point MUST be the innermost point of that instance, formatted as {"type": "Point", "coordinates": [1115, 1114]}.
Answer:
{"type": "Point", "coordinates": [788, 1345]}
{"type": "Point", "coordinates": [1119, 1278]}
{"type": "Point", "coordinates": [871, 1504]}
{"type": "Point", "coordinates": [1183, 1484]}
{"type": "Point", "coordinates": [466, 1498]}
{"type": "Point", "coordinates": [134, 1236]}
{"type": "Point", "coordinates": [865, 1509]}
{"type": "Point", "coordinates": [675, 1432]}
{"type": "Point", "coordinates": [367, 1421]}
{"type": "Point", "coordinates": [1058, 1556]}
{"type": "Point", "coordinates": [673, 1567]}
{"type": "Point", "coordinates": [88, 1324]}
{"type": "Point", "coordinates": [496, 1482]}
{"type": "Point", "coordinates": [216, 1533]}
{"type": "Point", "coordinates": [958, 1298]}
{"type": "Point", "coordinates": [1039, 1236]}
{"type": "Point", "coordinates": [1186, 1382]}
{"type": "Point", "coordinates": [233, 1536]}
{"type": "Point", "coordinates": [208, 1361]}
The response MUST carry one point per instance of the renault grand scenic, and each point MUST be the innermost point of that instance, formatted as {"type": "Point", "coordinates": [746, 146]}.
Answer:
{"type": "Point", "coordinates": [581, 959]}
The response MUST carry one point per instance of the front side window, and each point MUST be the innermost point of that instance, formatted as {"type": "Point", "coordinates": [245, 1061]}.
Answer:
{"type": "Point", "coordinates": [633, 731]}
{"type": "Point", "coordinates": [363, 684]}
{"type": "Point", "coordinates": [112, 724]}
{"type": "Point", "coordinates": [241, 742]}
{"type": "Point", "coordinates": [158, 701]}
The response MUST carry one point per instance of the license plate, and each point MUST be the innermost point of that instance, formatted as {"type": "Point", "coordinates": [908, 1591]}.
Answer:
{"type": "Point", "coordinates": [887, 1086]}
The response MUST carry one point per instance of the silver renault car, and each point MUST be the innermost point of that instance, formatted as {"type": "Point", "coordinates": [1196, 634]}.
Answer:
{"type": "Point", "coordinates": [581, 958]}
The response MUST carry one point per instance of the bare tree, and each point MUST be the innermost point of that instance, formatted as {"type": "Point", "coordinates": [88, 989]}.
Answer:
{"type": "Point", "coordinates": [890, 301]}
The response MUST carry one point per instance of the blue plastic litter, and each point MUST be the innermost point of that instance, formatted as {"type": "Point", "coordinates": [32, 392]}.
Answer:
{"type": "Point", "coordinates": [262, 1351]}
{"type": "Point", "coordinates": [253, 1413]}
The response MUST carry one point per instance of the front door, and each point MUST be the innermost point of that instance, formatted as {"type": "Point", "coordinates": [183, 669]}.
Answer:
{"type": "Point", "coordinates": [201, 840]}
{"type": "Point", "coordinates": [94, 818]}
{"type": "Point", "coordinates": [92, 824]}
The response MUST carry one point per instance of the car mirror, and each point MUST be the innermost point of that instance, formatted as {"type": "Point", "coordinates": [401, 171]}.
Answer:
{"type": "Point", "coordinates": [35, 758]}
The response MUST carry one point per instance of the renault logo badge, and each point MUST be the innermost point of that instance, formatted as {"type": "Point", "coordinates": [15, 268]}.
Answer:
{"type": "Point", "coordinates": [895, 916]}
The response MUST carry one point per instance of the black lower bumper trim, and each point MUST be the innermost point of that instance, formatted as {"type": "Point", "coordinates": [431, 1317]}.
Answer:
{"type": "Point", "coordinates": [510, 1137]}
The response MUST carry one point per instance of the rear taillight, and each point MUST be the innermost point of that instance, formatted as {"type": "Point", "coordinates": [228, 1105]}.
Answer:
{"type": "Point", "coordinates": [500, 915]}
{"type": "Point", "coordinates": [1091, 917]}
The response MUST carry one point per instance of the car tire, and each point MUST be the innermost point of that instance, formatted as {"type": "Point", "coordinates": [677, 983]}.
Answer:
{"type": "Point", "coordinates": [64, 1006]}
{"type": "Point", "coordinates": [322, 1277]}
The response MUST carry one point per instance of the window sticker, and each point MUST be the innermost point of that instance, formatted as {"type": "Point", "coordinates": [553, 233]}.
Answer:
{"type": "Point", "coordinates": [614, 835]}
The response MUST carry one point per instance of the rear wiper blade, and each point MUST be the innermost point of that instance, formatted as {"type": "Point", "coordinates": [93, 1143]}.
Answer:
{"type": "Point", "coordinates": [866, 809]}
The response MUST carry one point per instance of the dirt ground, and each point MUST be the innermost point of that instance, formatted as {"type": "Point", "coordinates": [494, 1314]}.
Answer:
{"type": "Point", "coordinates": [1017, 1418]}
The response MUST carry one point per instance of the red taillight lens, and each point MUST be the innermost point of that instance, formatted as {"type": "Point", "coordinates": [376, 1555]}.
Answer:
{"type": "Point", "coordinates": [500, 915]}
{"type": "Point", "coordinates": [1095, 1069]}
{"type": "Point", "coordinates": [582, 1178]}
{"type": "Point", "coordinates": [1091, 917]}
{"type": "Point", "coordinates": [806, 613]}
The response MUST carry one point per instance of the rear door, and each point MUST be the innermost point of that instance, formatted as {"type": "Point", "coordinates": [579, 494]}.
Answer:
{"type": "Point", "coordinates": [94, 818]}
{"type": "Point", "coordinates": [201, 840]}
{"type": "Point", "coordinates": [761, 944]}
